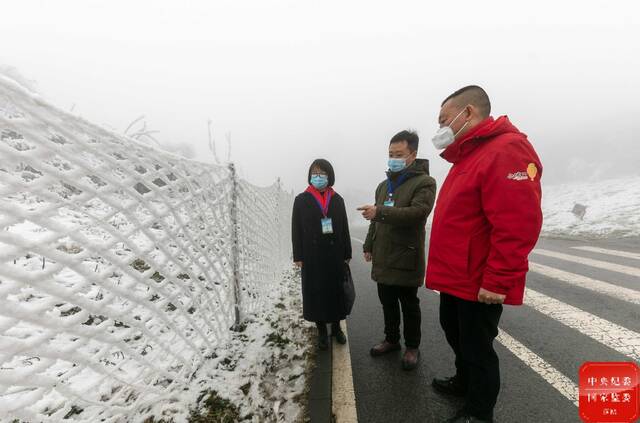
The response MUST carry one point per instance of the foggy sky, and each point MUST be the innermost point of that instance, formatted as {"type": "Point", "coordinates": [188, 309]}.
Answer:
{"type": "Point", "coordinates": [297, 80]}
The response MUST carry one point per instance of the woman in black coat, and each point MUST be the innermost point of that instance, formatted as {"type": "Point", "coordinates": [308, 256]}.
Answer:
{"type": "Point", "coordinates": [321, 247]}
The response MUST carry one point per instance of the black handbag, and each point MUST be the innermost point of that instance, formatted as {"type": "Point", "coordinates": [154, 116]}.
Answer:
{"type": "Point", "coordinates": [348, 289]}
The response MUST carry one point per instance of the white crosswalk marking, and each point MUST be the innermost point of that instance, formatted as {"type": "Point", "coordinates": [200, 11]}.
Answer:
{"type": "Point", "coordinates": [628, 270]}
{"type": "Point", "coordinates": [618, 253]}
{"type": "Point", "coordinates": [555, 378]}
{"type": "Point", "coordinates": [624, 341]}
{"type": "Point", "coordinates": [614, 336]}
{"type": "Point", "coordinates": [559, 381]}
{"type": "Point", "coordinates": [601, 287]}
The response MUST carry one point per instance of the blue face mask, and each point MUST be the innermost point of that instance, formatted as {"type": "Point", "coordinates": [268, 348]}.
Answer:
{"type": "Point", "coordinates": [397, 165]}
{"type": "Point", "coordinates": [319, 181]}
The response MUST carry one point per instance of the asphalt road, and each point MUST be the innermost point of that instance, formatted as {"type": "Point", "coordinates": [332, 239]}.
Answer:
{"type": "Point", "coordinates": [566, 320]}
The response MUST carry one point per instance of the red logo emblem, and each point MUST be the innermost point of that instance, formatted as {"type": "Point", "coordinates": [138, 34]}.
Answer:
{"type": "Point", "coordinates": [609, 392]}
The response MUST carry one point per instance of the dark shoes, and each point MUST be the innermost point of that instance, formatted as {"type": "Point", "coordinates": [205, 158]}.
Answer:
{"type": "Point", "coordinates": [323, 336]}
{"type": "Point", "coordinates": [340, 336]}
{"type": "Point", "coordinates": [455, 387]}
{"type": "Point", "coordinates": [450, 386]}
{"type": "Point", "coordinates": [336, 331]}
{"type": "Point", "coordinates": [462, 417]}
{"type": "Point", "coordinates": [410, 359]}
{"type": "Point", "coordinates": [384, 348]}
{"type": "Point", "coordinates": [323, 342]}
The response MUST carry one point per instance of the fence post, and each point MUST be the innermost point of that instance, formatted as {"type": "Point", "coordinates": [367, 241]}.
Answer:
{"type": "Point", "coordinates": [277, 219]}
{"type": "Point", "coordinates": [235, 246]}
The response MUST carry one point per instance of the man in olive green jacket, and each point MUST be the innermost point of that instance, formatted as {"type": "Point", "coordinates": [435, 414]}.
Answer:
{"type": "Point", "coordinates": [396, 243]}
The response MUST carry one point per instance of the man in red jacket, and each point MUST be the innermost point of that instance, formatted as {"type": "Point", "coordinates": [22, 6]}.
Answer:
{"type": "Point", "coordinates": [486, 222]}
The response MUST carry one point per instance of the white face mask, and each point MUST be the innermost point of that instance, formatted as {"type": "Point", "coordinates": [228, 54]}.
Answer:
{"type": "Point", "coordinates": [444, 137]}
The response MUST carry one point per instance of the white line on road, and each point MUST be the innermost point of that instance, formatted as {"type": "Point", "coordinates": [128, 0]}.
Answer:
{"type": "Point", "coordinates": [606, 332]}
{"type": "Point", "coordinates": [614, 336]}
{"type": "Point", "coordinates": [343, 397]}
{"type": "Point", "coordinates": [550, 374]}
{"type": "Point", "coordinates": [628, 270]}
{"type": "Point", "coordinates": [554, 377]}
{"type": "Point", "coordinates": [618, 253]}
{"type": "Point", "coordinates": [601, 287]}
{"type": "Point", "coordinates": [357, 240]}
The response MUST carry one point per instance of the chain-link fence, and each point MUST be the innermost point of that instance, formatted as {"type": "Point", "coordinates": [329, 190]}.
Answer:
{"type": "Point", "coordinates": [122, 267]}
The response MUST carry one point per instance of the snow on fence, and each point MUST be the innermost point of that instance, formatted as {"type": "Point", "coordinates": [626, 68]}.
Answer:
{"type": "Point", "coordinates": [122, 267]}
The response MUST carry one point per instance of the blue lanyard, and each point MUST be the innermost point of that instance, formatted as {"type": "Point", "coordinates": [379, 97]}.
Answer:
{"type": "Point", "coordinates": [391, 187]}
{"type": "Point", "coordinates": [324, 209]}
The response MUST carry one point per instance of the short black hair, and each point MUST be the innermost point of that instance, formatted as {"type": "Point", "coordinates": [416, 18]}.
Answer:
{"type": "Point", "coordinates": [411, 137]}
{"type": "Point", "coordinates": [472, 94]}
{"type": "Point", "coordinates": [325, 166]}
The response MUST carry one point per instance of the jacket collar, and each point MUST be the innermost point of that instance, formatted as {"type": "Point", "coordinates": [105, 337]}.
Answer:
{"type": "Point", "coordinates": [316, 193]}
{"type": "Point", "coordinates": [482, 132]}
{"type": "Point", "coordinates": [418, 167]}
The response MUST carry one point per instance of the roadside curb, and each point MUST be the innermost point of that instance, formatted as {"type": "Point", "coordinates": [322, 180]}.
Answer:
{"type": "Point", "coordinates": [331, 393]}
{"type": "Point", "coordinates": [319, 406]}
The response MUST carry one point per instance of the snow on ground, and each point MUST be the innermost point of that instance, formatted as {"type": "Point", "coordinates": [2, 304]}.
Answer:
{"type": "Point", "coordinates": [264, 369]}
{"type": "Point", "coordinates": [613, 209]}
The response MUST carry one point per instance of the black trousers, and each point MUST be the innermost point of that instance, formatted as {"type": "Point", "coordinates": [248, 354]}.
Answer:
{"type": "Point", "coordinates": [391, 298]}
{"type": "Point", "coordinates": [470, 328]}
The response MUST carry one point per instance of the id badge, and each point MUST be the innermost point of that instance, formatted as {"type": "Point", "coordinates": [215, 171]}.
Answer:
{"type": "Point", "coordinates": [327, 225]}
{"type": "Point", "coordinates": [389, 203]}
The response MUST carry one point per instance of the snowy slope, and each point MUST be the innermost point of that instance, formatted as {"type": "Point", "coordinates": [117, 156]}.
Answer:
{"type": "Point", "coordinates": [613, 208]}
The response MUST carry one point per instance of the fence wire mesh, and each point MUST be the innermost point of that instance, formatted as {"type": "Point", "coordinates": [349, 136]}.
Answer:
{"type": "Point", "coordinates": [117, 278]}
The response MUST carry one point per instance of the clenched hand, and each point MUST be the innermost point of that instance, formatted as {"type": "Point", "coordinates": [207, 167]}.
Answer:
{"type": "Point", "coordinates": [489, 297]}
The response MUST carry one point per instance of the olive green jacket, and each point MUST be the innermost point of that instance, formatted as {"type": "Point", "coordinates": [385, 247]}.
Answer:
{"type": "Point", "coordinates": [396, 237]}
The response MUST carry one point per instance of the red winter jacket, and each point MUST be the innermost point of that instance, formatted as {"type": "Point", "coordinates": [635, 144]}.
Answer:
{"type": "Point", "coordinates": [488, 216]}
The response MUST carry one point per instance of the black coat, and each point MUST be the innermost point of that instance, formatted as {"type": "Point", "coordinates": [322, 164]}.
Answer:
{"type": "Point", "coordinates": [322, 255]}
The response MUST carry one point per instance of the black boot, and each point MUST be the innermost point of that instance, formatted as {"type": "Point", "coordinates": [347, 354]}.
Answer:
{"type": "Point", "coordinates": [450, 386]}
{"type": "Point", "coordinates": [464, 417]}
{"type": "Point", "coordinates": [323, 336]}
{"type": "Point", "coordinates": [336, 331]}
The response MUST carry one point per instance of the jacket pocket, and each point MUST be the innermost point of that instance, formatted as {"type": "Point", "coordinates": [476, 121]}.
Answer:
{"type": "Point", "coordinates": [477, 254]}
{"type": "Point", "coordinates": [449, 257]}
{"type": "Point", "coordinates": [403, 257]}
